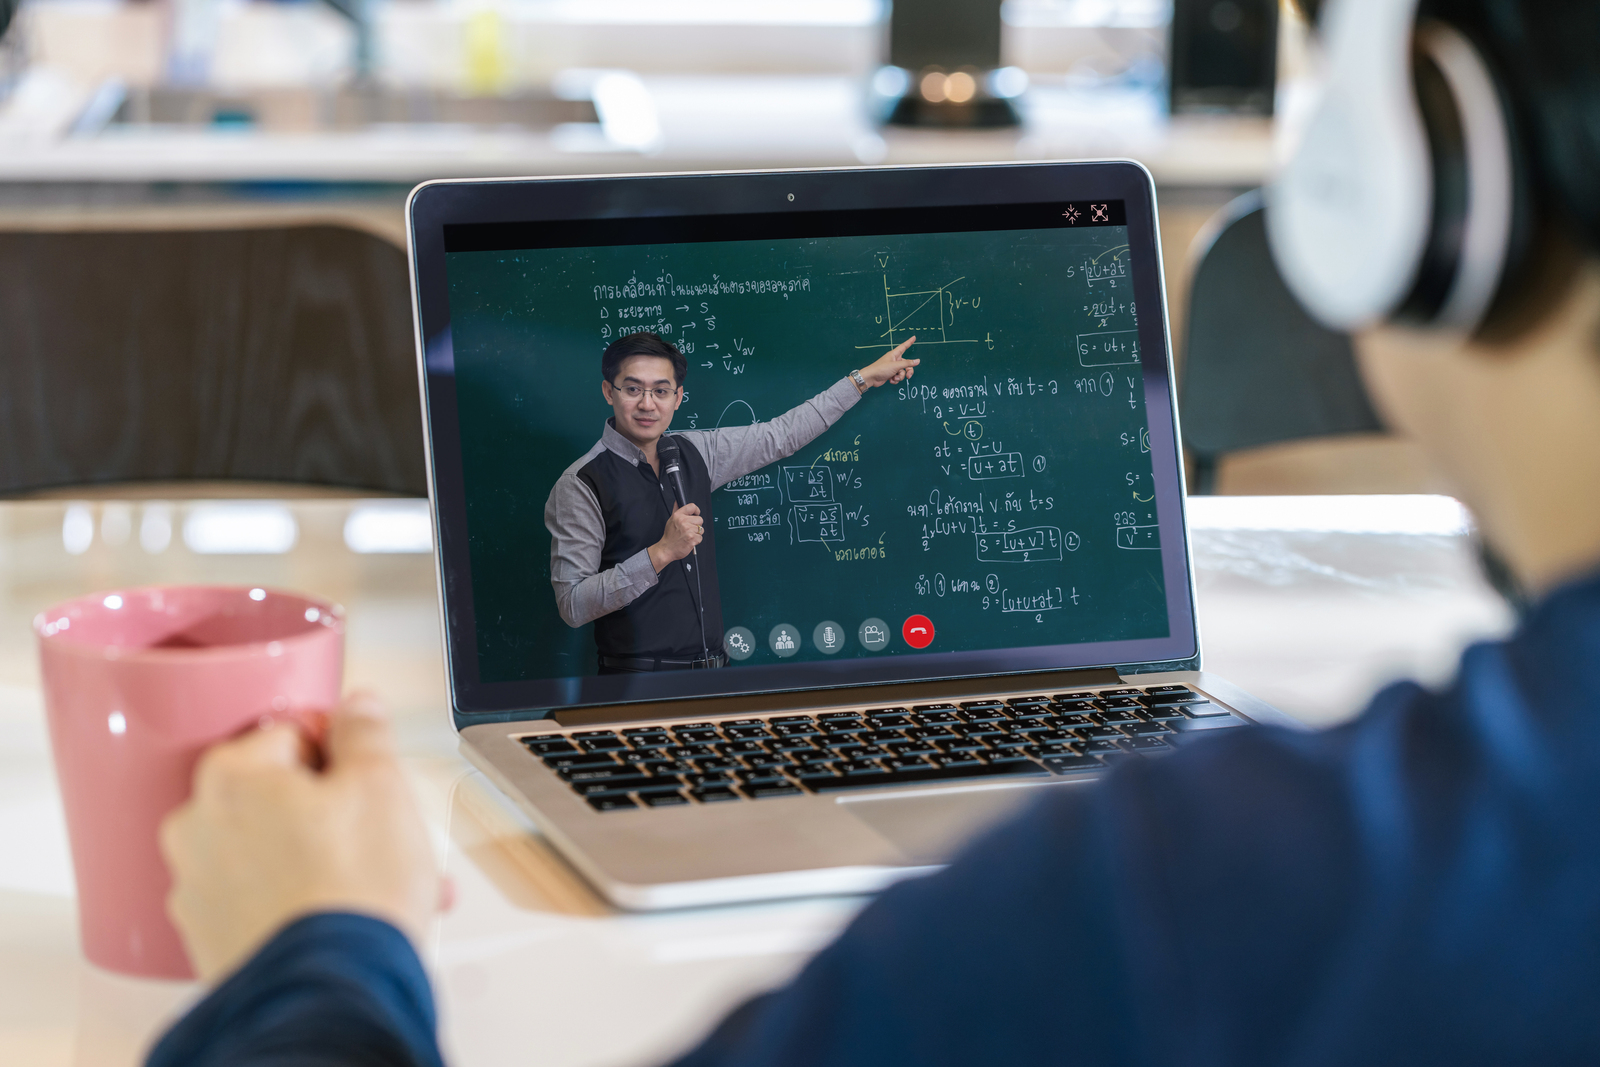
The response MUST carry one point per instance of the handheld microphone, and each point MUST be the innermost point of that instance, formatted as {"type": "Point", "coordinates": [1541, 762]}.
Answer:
{"type": "Point", "coordinates": [670, 456]}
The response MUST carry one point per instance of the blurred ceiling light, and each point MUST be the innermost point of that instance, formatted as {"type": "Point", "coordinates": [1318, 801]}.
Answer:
{"type": "Point", "coordinates": [392, 526]}
{"type": "Point", "coordinates": [717, 12]}
{"type": "Point", "coordinates": [244, 527]}
{"type": "Point", "coordinates": [1008, 82]}
{"type": "Point", "coordinates": [626, 110]}
{"type": "Point", "coordinates": [891, 81]}
{"type": "Point", "coordinates": [960, 87]}
{"type": "Point", "coordinates": [155, 527]}
{"type": "Point", "coordinates": [77, 529]}
{"type": "Point", "coordinates": [933, 87]}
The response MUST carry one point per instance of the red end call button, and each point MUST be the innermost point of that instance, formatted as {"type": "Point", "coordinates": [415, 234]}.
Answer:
{"type": "Point", "coordinates": [918, 631]}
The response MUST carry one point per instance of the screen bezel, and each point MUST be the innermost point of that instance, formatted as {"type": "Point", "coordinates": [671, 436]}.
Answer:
{"type": "Point", "coordinates": [435, 205]}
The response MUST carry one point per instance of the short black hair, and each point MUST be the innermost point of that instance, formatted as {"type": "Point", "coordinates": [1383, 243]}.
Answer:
{"type": "Point", "coordinates": [642, 343]}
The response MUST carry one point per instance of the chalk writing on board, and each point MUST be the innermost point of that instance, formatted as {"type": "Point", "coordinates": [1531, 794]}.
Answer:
{"type": "Point", "coordinates": [1108, 349]}
{"type": "Point", "coordinates": [816, 522]}
{"type": "Point", "coordinates": [1034, 544]}
{"type": "Point", "coordinates": [929, 314]}
{"type": "Point", "coordinates": [1108, 268]}
{"type": "Point", "coordinates": [1139, 537]}
{"type": "Point", "coordinates": [988, 468]}
{"type": "Point", "coordinates": [806, 485]}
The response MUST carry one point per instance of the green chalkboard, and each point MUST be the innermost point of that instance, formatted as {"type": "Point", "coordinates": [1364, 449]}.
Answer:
{"type": "Point", "coordinates": [1005, 492]}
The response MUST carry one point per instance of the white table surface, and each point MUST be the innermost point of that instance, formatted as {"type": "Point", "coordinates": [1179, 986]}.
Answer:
{"type": "Point", "coordinates": [529, 966]}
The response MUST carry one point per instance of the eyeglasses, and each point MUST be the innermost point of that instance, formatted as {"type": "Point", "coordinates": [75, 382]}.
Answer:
{"type": "Point", "coordinates": [634, 392]}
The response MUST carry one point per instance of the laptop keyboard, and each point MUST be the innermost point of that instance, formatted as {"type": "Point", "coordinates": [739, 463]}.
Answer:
{"type": "Point", "coordinates": [791, 755]}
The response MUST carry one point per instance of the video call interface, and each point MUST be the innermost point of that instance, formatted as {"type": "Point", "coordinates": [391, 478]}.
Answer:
{"type": "Point", "coordinates": [1001, 498]}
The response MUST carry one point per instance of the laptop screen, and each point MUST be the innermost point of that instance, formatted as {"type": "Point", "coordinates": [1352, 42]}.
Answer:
{"type": "Point", "coordinates": [999, 510]}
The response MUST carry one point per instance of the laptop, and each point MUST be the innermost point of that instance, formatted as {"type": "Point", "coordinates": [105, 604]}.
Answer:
{"type": "Point", "coordinates": [974, 584]}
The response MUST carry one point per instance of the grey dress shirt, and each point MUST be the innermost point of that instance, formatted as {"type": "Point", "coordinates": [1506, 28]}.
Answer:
{"type": "Point", "coordinates": [578, 529]}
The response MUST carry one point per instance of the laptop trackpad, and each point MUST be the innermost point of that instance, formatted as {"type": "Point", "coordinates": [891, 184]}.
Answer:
{"type": "Point", "coordinates": [930, 827]}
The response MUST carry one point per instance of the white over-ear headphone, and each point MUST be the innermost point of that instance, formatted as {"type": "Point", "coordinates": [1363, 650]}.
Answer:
{"type": "Point", "coordinates": [1397, 204]}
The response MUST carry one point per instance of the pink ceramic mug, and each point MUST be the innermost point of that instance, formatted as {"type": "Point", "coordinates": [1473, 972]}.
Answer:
{"type": "Point", "coordinates": [136, 684]}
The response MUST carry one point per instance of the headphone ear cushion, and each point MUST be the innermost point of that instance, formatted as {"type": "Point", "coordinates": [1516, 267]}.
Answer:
{"type": "Point", "coordinates": [1349, 216]}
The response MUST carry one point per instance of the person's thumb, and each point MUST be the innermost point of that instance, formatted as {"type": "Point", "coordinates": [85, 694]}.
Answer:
{"type": "Point", "coordinates": [358, 732]}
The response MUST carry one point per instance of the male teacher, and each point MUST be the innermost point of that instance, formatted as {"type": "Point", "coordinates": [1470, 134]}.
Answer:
{"type": "Point", "coordinates": [624, 550]}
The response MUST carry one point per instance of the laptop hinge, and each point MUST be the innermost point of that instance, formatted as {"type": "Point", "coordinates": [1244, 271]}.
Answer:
{"type": "Point", "coordinates": [901, 693]}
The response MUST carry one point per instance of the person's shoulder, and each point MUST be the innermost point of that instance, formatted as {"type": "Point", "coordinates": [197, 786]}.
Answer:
{"type": "Point", "coordinates": [571, 478]}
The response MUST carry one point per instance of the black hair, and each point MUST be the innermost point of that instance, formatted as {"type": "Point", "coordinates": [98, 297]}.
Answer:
{"type": "Point", "coordinates": [642, 344]}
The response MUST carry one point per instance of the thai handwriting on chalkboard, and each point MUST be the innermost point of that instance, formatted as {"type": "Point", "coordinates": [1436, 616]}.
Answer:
{"type": "Point", "coordinates": [664, 285]}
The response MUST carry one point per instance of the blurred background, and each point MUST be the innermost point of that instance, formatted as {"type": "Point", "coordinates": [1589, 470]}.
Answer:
{"type": "Point", "coordinates": [222, 115]}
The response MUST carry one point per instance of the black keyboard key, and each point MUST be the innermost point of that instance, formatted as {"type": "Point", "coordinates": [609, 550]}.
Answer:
{"type": "Point", "coordinates": [929, 733]}
{"type": "Point", "coordinates": [1031, 713]}
{"type": "Point", "coordinates": [1147, 745]}
{"type": "Point", "coordinates": [647, 738]}
{"type": "Point", "coordinates": [1064, 697]}
{"type": "Point", "coordinates": [743, 748]}
{"type": "Point", "coordinates": [981, 729]}
{"type": "Point", "coordinates": [962, 744]}
{"type": "Point", "coordinates": [912, 748]}
{"type": "Point", "coordinates": [812, 775]}
{"type": "Point", "coordinates": [1145, 729]}
{"type": "Point", "coordinates": [766, 760]}
{"type": "Point", "coordinates": [1202, 709]}
{"type": "Point", "coordinates": [792, 744]}
{"type": "Point", "coordinates": [619, 785]}
{"type": "Point", "coordinates": [890, 722]}
{"type": "Point", "coordinates": [1096, 732]}
{"type": "Point", "coordinates": [974, 705]}
{"type": "Point", "coordinates": [1205, 725]}
{"type": "Point", "coordinates": [1072, 722]}
{"type": "Point", "coordinates": [762, 792]}
{"type": "Point", "coordinates": [837, 716]}
{"type": "Point", "coordinates": [923, 708]}
{"type": "Point", "coordinates": [878, 713]}
{"type": "Point", "coordinates": [791, 719]}
{"type": "Point", "coordinates": [976, 769]}
{"type": "Point", "coordinates": [906, 763]}
{"type": "Point", "coordinates": [1171, 693]}
{"type": "Point", "coordinates": [859, 751]}
{"type": "Point", "coordinates": [604, 773]}
{"type": "Point", "coordinates": [1075, 707]}
{"type": "Point", "coordinates": [1116, 717]}
{"type": "Point", "coordinates": [759, 778]}
{"type": "Point", "coordinates": [1094, 748]}
{"type": "Point", "coordinates": [1007, 742]}
{"type": "Point", "coordinates": [796, 730]}
{"type": "Point", "coordinates": [712, 794]}
{"type": "Point", "coordinates": [1164, 712]}
{"type": "Point", "coordinates": [590, 735]}
{"type": "Point", "coordinates": [612, 803]}
{"type": "Point", "coordinates": [696, 781]}
{"type": "Point", "coordinates": [882, 737]}
{"type": "Point", "coordinates": [1122, 704]}
{"type": "Point", "coordinates": [815, 755]}
{"type": "Point", "coordinates": [1104, 693]}
{"type": "Point", "coordinates": [856, 768]}
{"type": "Point", "coordinates": [548, 746]}
{"type": "Point", "coordinates": [1073, 764]}
{"type": "Point", "coordinates": [842, 726]}
{"type": "Point", "coordinates": [697, 736]}
{"type": "Point", "coordinates": [663, 800]}
{"type": "Point", "coordinates": [715, 765]}
{"type": "Point", "coordinates": [1030, 727]}
{"type": "Point", "coordinates": [691, 752]}
{"type": "Point", "coordinates": [992, 714]}
{"type": "Point", "coordinates": [746, 733]}
{"type": "Point", "coordinates": [603, 744]}
{"type": "Point", "coordinates": [575, 760]}
{"type": "Point", "coordinates": [1050, 748]}
{"type": "Point", "coordinates": [937, 718]}
{"type": "Point", "coordinates": [954, 759]}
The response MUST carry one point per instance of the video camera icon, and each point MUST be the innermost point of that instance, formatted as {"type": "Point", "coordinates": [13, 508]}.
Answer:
{"type": "Point", "coordinates": [873, 635]}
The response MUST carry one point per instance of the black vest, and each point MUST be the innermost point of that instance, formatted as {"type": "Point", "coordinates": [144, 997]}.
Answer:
{"type": "Point", "coordinates": [636, 504]}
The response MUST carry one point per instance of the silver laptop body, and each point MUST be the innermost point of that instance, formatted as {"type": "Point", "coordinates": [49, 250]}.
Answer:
{"type": "Point", "coordinates": [973, 586]}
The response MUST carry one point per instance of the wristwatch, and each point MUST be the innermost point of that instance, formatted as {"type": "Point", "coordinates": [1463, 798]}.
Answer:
{"type": "Point", "coordinates": [861, 383]}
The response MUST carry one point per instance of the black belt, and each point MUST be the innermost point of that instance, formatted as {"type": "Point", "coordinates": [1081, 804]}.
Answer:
{"type": "Point", "coordinates": [634, 663]}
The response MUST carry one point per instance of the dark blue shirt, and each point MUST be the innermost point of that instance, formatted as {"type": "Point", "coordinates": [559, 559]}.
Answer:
{"type": "Point", "coordinates": [1421, 885]}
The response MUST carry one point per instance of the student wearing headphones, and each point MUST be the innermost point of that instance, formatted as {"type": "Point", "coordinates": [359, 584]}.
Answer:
{"type": "Point", "coordinates": [1420, 885]}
